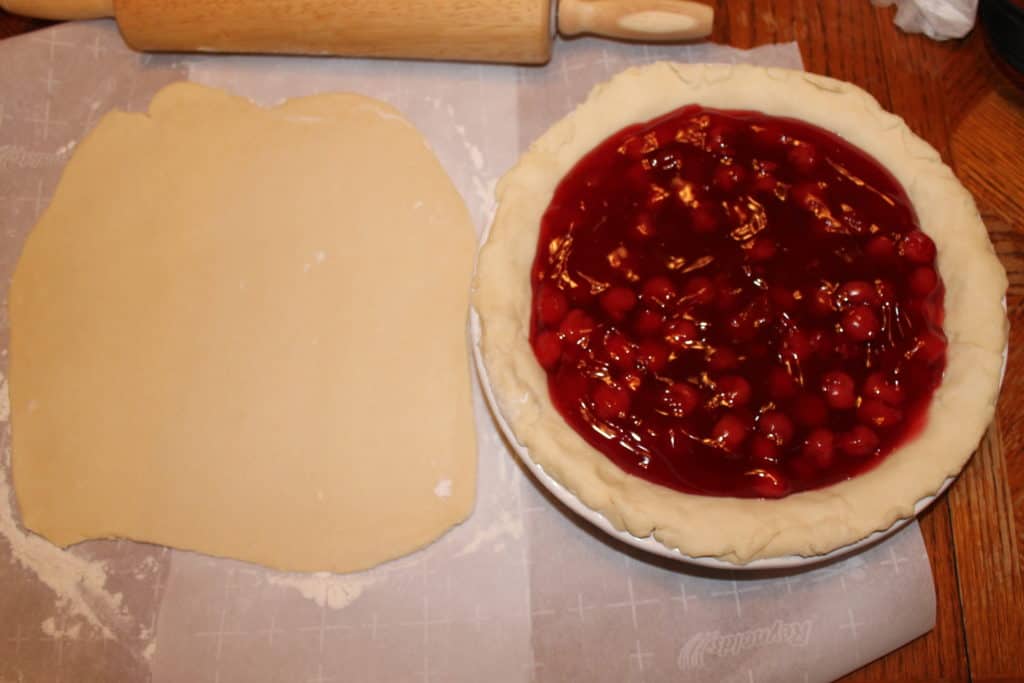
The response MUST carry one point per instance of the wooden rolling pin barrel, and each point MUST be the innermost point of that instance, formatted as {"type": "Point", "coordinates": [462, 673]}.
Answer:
{"type": "Point", "coordinates": [516, 31]}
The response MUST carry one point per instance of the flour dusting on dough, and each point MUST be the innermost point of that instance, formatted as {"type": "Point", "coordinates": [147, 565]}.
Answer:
{"type": "Point", "coordinates": [443, 488]}
{"type": "Point", "coordinates": [326, 590]}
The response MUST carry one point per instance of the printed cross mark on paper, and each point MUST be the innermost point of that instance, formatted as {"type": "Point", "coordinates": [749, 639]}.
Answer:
{"type": "Point", "coordinates": [45, 121]}
{"type": "Point", "coordinates": [632, 602]}
{"type": "Point", "coordinates": [851, 624]}
{"type": "Point", "coordinates": [683, 597]}
{"type": "Point", "coordinates": [639, 656]}
{"type": "Point", "coordinates": [736, 593]}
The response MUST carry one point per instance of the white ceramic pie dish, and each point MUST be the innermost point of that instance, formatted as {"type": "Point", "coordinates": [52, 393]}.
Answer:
{"type": "Point", "coordinates": [650, 544]}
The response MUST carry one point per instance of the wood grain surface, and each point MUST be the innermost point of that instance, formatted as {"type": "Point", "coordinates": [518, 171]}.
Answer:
{"type": "Point", "coordinates": [952, 95]}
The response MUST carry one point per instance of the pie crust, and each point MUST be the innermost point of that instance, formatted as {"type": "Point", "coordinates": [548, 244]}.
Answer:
{"type": "Point", "coordinates": [739, 530]}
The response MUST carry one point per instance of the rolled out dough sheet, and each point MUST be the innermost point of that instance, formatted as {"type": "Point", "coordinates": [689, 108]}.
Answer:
{"type": "Point", "coordinates": [241, 331]}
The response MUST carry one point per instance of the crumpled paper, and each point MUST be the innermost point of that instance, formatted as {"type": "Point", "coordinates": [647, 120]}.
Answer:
{"type": "Point", "coordinates": [937, 19]}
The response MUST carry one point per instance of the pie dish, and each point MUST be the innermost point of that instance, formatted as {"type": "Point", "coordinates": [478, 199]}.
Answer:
{"type": "Point", "coordinates": [879, 411]}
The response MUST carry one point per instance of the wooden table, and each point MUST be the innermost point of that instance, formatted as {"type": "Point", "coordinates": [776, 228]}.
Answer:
{"type": "Point", "coordinates": [952, 95]}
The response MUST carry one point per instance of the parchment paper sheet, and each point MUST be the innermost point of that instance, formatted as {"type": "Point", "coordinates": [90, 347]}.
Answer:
{"type": "Point", "coordinates": [521, 592]}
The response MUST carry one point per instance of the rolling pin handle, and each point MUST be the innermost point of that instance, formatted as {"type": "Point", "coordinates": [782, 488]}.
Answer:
{"type": "Point", "coordinates": [643, 20]}
{"type": "Point", "coordinates": [60, 10]}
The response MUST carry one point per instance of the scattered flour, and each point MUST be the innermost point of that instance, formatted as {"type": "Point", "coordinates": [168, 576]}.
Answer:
{"type": "Point", "coordinates": [146, 568]}
{"type": "Point", "coordinates": [475, 155]}
{"type": "Point", "coordinates": [5, 401]}
{"type": "Point", "coordinates": [66, 149]}
{"type": "Point", "coordinates": [64, 632]}
{"type": "Point", "coordinates": [77, 584]}
{"type": "Point", "coordinates": [506, 525]}
{"type": "Point", "coordinates": [326, 590]}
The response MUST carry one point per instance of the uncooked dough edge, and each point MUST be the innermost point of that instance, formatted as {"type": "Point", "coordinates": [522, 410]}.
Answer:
{"type": "Point", "coordinates": [312, 110]}
{"type": "Point", "coordinates": [740, 530]}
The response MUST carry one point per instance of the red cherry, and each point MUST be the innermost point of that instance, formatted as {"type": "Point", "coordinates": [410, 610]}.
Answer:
{"type": "Point", "coordinates": [552, 306]}
{"type": "Point", "coordinates": [878, 386]}
{"type": "Point", "coordinates": [618, 301]}
{"type": "Point", "coordinates": [781, 384]}
{"type": "Point", "coordinates": [782, 298]}
{"type": "Point", "coordinates": [917, 247]}
{"type": "Point", "coordinates": [821, 301]}
{"type": "Point", "coordinates": [776, 426]}
{"type": "Point", "coordinates": [930, 347]}
{"type": "Point", "coordinates": [878, 414]}
{"type": "Point", "coordinates": [704, 219]}
{"type": "Point", "coordinates": [881, 249]}
{"type": "Point", "coordinates": [730, 431]}
{"type": "Point", "coordinates": [923, 280]}
{"type": "Point", "coordinates": [884, 292]}
{"type": "Point", "coordinates": [808, 196]}
{"type": "Point", "coordinates": [822, 342]}
{"type": "Point", "coordinates": [762, 249]}
{"type": "Point", "coordinates": [660, 290]}
{"type": "Point", "coordinates": [728, 178]}
{"type": "Point", "coordinates": [734, 391]}
{"type": "Point", "coordinates": [548, 348]}
{"type": "Point", "coordinates": [652, 355]}
{"type": "Point", "coordinates": [648, 322]}
{"type": "Point", "coordinates": [767, 483]}
{"type": "Point", "coordinates": [680, 333]}
{"type": "Point", "coordinates": [770, 136]}
{"type": "Point", "coordinates": [666, 159]}
{"type": "Point", "coordinates": [803, 156]}
{"type": "Point", "coordinates": [620, 350]}
{"type": "Point", "coordinates": [796, 345]}
{"type": "Point", "coordinates": [809, 410]}
{"type": "Point", "coordinates": [764, 183]}
{"type": "Point", "coordinates": [861, 323]}
{"type": "Point", "coordinates": [723, 358]}
{"type": "Point", "coordinates": [818, 447]}
{"type": "Point", "coordinates": [682, 398]}
{"type": "Point", "coordinates": [719, 138]}
{"type": "Point", "coordinates": [576, 326]}
{"type": "Point", "coordinates": [859, 442]}
{"type": "Point", "coordinates": [611, 402]}
{"type": "Point", "coordinates": [857, 292]}
{"type": "Point", "coordinates": [839, 390]}
{"type": "Point", "coordinates": [699, 290]}
{"type": "Point", "coordinates": [761, 448]}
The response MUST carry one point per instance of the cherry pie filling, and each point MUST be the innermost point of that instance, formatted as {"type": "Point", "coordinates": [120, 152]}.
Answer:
{"type": "Point", "coordinates": [733, 304]}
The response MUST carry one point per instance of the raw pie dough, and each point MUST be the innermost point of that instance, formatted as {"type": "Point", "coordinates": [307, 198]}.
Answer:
{"type": "Point", "coordinates": [739, 530]}
{"type": "Point", "coordinates": [241, 331]}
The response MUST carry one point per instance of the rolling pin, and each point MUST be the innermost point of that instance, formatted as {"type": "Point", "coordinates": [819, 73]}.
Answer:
{"type": "Point", "coordinates": [516, 31]}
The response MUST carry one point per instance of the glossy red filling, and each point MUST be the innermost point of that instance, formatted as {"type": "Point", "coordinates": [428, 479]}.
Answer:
{"type": "Point", "coordinates": [734, 304]}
